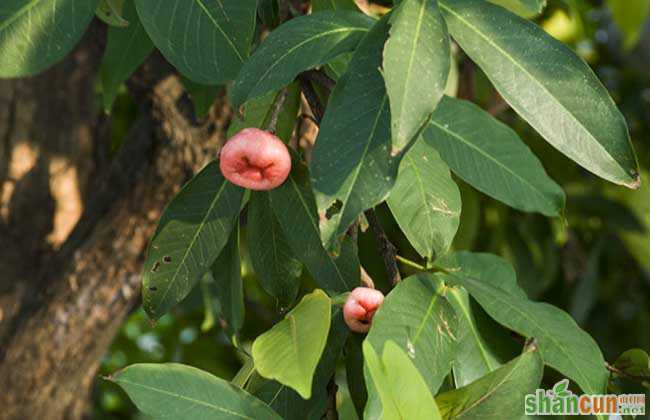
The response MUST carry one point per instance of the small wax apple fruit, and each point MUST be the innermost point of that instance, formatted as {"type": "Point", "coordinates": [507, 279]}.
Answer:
{"type": "Point", "coordinates": [360, 307]}
{"type": "Point", "coordinates": [255, 159]}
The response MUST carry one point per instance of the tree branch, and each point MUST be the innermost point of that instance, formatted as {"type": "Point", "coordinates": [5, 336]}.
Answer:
{"type": "Point", "coordinates": [276, 109]}
{"type": "Point", "coordinates": [387, 250]}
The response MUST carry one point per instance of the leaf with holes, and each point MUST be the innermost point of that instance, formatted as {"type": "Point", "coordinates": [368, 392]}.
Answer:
{"type": "Point", "coordinates": [191, 233]}
{"type": "Point", "coordinates": [289, 352]}
{"type": "Point", "coordinates": [302, 43]}
{"type": "Point", "coordinates": [426, 201]}
{"type": "Point", "coordinates": [548, 85]}
{"type": "Point", "coordinates": [173, 390]}
{"type": "Point", "coordinates": [208, 41]}
{"type": "Point", "coordinates": [421, 322]}
{"type": "Point", "coordinates": [294, 206]}
{"type": "Point", "coordinates": [352, 168]}
{"type": "Point", "coordinates": [35, 34]}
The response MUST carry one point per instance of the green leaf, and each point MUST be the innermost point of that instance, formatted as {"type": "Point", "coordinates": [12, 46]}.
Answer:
{"type": "Point", "coordinates": [426, 201]}
{"type": "Point", "coordinates": [268, 11]}
{"type": "Point", "coordinates": [289, 352]}
{"type": "Point", "coordinates": [497, 395]}
{"type": "Point", "coordinates": [401, 388]}
{"type": "Point", "coordinates": [352, 169]}
{"type": "Point", "coordinates": [288, 403]}
{"type": "Point", "coordinates": [319, 5]}
{"type": "Point", "coordinates": [228, 286]}
{"type": "Point", "coordinates": [474, 356]}
{"type": "Point", "coordinates": [548, 85]}
{"type": "Point", "coordinates": [418, 319]}
{"type": "Point", "coordinates": [111, 13]}
{"type": "Point", "coordinates": [295, 208]}
{"type": "Point", "coordinates": [562, 344]}
{"type": "Point", "coordinates": [416, 67]}
{"type": "Point", "coordinates": [634, 362]}
{"type": "Point", "coordinates": [300, 44]}
{"type": "Point", "coordinates": [202, 96]}
{"type": "Point", "coordinates": [208, 41]}
{"type": "Point", "coordinates": [490, 156]}
{"type": "Point", "coordinates": [629, 16]}
{"type": "Point", "coordinates": [191, 234]}
{"type": "Point", "coordinates": [276, 267]}
{"type": "Point", "coordinates": [524, 8]}
{"type": "Point", "coordinates": [174, 391]}
{"type": "Point", "coordinates": [354, 372]}
{"type": "Point", "coordinates": [35, 34]}
{"type": "Point", "coordinates": [126, 49]}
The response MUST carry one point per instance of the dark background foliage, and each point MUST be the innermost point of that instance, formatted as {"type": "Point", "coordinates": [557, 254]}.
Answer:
{"type": "Point", "coordinates": [595, 264]}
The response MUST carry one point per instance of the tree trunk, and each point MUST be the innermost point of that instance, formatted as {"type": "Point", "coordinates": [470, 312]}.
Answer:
{"type": "Point", "coordinates": [74, 224]}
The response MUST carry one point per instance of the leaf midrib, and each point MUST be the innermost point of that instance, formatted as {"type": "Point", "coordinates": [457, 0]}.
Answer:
{"type": "Point", "coordinates": [223, 33]}
{"type": "Point", "coordinates": [416, 38]}
{"type": "Point", "coordinates": [19, 13]}
{"type": "Point", "coordinates": [299, 45]}
{"type": "Point", "coordinates": [493, 159]}
{"type": "Point", "coordinates": [317, 230]}
{"type": "Point", "coordinates": [182, 397]}
{"type": "Point", "coordinates": [199, 229]}
{"type": "Point", "coordinates": [527, 73]}
{"type": "Point", "coordinates": [532, 321]}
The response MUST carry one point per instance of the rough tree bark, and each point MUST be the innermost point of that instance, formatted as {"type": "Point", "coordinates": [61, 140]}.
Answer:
{"type": "Point", "coordinates": [74, 224]}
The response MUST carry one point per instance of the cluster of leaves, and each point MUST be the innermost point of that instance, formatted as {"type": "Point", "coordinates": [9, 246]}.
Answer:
{"type": "Point", "coordinates": [393, 132]}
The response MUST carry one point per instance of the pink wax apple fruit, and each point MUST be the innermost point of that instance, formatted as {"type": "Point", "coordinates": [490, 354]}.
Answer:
{"type": "Point", "coordinates": [360, 307]}
{"type": "Point", "coordinates": [255, 159]}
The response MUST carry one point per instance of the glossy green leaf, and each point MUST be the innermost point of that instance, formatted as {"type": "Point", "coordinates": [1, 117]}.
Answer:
{"type": "Point", "coordinates": [287, 402]}
{"type": "Point", "coordinates": [474, 356]}
{"type": "Point", "coordinates": [426, 201]}
{"type": "Point", "coordinates": [548, 85]}
{"type": "Point", "coordinates": [269, 12]}
{"type": "Point", "coordinates": [629, 16]}
{"type": "Point", "coordinates": [352, 168]}
{"type": "Point", "coordinates": [276, 267]}
{"type": "Point", "coordinates": [35, 34]}
{"type": "Point", "coordinates": [490, 156]}
{"type": "Point", "coordinates": [174, 391]}
{"type": "Point", "coordinates": [191, 233]}
{"type": "Point", "coordinates": [289, 352]}
{"type": "Point", "coordinates": [399, 385]}
{"type": "Point", "coordinates": [416, 66]}
{"type": "Point", "coordinates": [111, 12]}
{"type": "Point", "coordinates": [497, 395]}
{"type": "Point", "coordinates": [228, 286]}
{"type": "Point", "coordinates": [563, 344]}
{"type": "Point", "coordinates": [208, 41]}
{"type": "Point", "coordinates": [524, 8]}
{"type": "Point", "coordinates": [418, 319]}
{"type": "Point", "coordinates": [300, 44]}
{"type": "Point", "coordinates": [126, 49]}
{"type": "Point", "coordinates": [295, 209]}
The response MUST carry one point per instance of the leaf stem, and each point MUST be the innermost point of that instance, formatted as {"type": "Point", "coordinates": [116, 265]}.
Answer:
{"type": "Point", "coordinates": [276, 109]}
